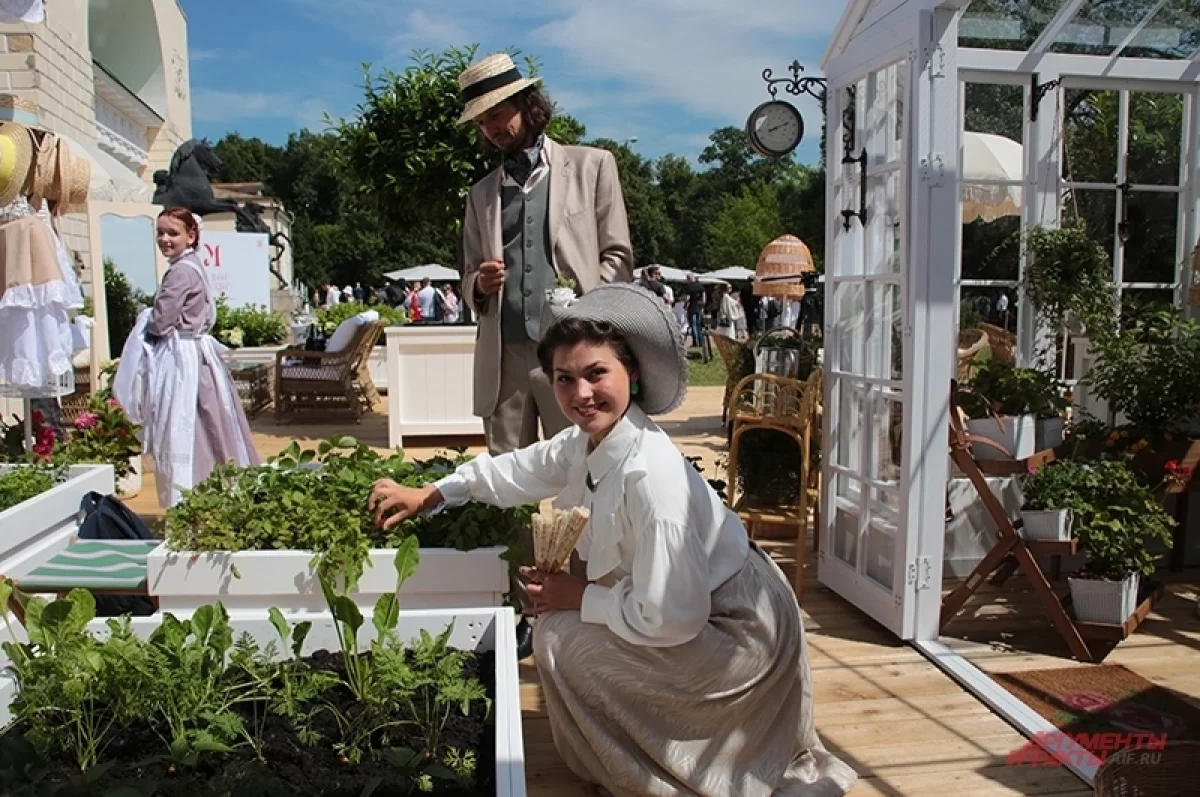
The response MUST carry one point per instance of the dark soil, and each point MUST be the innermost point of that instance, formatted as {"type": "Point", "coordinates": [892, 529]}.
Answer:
{"type": "Point", "coordinates": [291, 767]}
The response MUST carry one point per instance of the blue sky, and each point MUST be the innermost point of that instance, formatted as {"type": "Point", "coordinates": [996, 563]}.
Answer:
{"type": "Point", "coordinates": [665, 71]}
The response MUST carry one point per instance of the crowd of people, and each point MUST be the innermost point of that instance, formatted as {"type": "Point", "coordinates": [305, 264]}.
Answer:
{"type": "Point", "coordinates": [423, 302]}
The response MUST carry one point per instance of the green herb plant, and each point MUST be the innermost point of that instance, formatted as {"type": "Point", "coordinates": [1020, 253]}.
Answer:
{"type": "Point", "coordinates": [997, 388]}
{"type": "Point", "coordinates": [21, 482]}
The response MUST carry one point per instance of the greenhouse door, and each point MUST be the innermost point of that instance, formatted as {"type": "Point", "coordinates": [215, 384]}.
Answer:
{"type": "Point", "coordinates": [864, 556]}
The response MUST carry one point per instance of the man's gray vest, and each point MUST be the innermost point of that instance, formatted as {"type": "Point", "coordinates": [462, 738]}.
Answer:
{"type": "Point", "coordinates": [525, 222]}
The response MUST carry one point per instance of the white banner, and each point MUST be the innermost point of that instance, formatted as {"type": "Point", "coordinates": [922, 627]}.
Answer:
{"type": "Point", "coordinates": [238, 266]}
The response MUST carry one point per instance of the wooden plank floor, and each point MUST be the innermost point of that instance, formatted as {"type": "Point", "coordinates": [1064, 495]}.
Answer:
{"type": "Point", "coordinates": [898, 721]}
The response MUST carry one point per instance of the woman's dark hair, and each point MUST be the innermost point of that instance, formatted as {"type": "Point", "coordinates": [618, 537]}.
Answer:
{"type": "Point", "coordinates": [573, 331]}
{"type": "Point", "coordinates": [186, 218]}
{"type": "Point", "coordinates": [536, 110]}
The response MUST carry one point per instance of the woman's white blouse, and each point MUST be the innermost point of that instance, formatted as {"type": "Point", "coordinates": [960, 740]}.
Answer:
{"type": "Point", "coordinates": [659, 536]}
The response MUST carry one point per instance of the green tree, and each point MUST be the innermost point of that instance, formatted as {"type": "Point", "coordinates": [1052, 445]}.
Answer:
{"type": "Point", "coordinates": [650, 229]}
{"type": "Point", "coordinates": [745, 224]}
{"type": "Point", "coordinates": [246, 160]}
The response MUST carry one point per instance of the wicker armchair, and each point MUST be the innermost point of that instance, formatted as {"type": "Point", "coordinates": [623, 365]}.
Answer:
{"type": "Point", "coordinates": [731, 355]}
{"type": "Point", "coordinates": [321, 382]}
{"type": "Point", "coordinates": [74, 404]}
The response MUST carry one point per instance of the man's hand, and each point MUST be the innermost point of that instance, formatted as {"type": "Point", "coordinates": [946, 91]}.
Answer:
{"type": "Point", "coordinates": [491, 277]}
{"type": "Point", "coordinates": [553, 592]}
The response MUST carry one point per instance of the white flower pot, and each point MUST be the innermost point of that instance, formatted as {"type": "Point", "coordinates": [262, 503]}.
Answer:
{"type": "Point", "coordinates": [1049, 433]}
{"type": "Point", "coordinates": [1016, 434]}
{"type": "Point", "coordinates": [1098, 601]}
{"type": "Point", "coordinates": [1046, 524]}
{"type": "Point", "coordinates": [489, 629]}
{"type": "Point", "coordinates": [130, 485]}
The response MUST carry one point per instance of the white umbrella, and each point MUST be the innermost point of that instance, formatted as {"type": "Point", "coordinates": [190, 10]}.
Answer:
{"type": "Point", "coordinates": [110, 181]}
{"type": "Point", "coordinates": [736, 273]}
{"type": "Point", "coordinates": [430, 271]}
{"type": "Point", "coordinates": [670, 274]}
{"type": "Point", "coordinates": [987, 157]}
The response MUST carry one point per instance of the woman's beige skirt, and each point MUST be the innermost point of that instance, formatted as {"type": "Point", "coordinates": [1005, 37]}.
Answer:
{"type": "Point", "coordinates": [727, 714]}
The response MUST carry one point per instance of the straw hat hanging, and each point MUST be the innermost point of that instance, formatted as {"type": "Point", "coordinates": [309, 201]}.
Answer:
{"type": "Point", "coordinates": [16, 160]}
{"type": "Point", "coordinates": [781, 267]}
{"type": "Point", "coordinates": [45, 158]}
{"type": "Point", "coordinates": [79, 179]}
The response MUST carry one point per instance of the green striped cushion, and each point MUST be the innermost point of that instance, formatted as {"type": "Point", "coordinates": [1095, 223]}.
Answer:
{"type": "Point", "coordinates": [94, 564]}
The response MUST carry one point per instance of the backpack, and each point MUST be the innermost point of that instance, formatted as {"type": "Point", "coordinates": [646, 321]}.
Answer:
{"type": "Point", "coordinates": [107, 518]}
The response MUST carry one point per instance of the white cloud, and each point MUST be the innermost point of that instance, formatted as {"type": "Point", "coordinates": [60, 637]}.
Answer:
{"type": "Point", "coordinates": [203, 55]}
{"type": "Point", "coordinates": [215, 105]}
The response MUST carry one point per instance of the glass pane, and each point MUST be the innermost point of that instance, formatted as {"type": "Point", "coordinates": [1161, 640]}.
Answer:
{"type": "Point", "coordinates": [1098, 209]}
{"type": "Point", "coordinates": [885, 341]}
{"type": "Point", "coordinates": [848, 431]}
{"type": "Point", "coordinates": [995, 110]}
{"type": "Point", "coordinates": [880, 553]}
{"type": "Point", "coordinates": [1101, 26]}
{"type": "Point", "coordinates": [1155, 138]}
{"type": "Point", "coordinates": [1134, 299]}
{"type": "Point", "coordinates": [991, 250]}
{"type": "Point", "coordinates": [850, 315]}
{"type": "Point", "coordinates": [885, 504]}
{"type": "Point", "coordinates": [849, 490]}
{"type": "Point", "coordinates": [885, 115]}
{"type": "Point", "coordinates": [887, 439]}
{"type": "Point", "coordinates": [979, 304]}
{"type": "Point", "coordinates": [1092, 119]}
{"type": "Point", "coordinates": [1150, 227]}
{"type": "Point", "coordinates": [883, 224]}
{"type": "Point", "coordinates": [845, 537]}
{"type": "Point", "coordinates": [1005, 24]}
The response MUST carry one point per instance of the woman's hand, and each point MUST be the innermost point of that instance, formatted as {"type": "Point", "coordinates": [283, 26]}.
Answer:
{"type": "Point", "coordinates": [553, 592]}
{"type": "Point", "coordinates": [402, 502]}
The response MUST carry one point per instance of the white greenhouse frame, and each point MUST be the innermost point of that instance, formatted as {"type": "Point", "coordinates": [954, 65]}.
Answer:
{"type": "Point", "coordinates": [892, 567]}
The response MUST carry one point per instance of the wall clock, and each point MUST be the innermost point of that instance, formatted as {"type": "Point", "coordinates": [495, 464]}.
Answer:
{"type": "Point", "coordinates": [775, 128]}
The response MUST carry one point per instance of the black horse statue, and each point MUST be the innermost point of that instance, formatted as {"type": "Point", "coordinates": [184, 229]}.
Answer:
{"type": "Point", "coordinates": [186, 184]}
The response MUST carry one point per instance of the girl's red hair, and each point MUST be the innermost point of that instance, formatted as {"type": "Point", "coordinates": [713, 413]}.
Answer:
{"type": "Point", "coordinates": [184, 217]}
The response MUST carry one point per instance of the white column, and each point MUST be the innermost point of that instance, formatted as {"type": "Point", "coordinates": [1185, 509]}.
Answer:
{"type": "Point", "coordinates": [933, 212]}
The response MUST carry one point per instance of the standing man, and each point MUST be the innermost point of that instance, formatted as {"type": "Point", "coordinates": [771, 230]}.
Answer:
{"type": "Point", "coordinates": [549, 211]}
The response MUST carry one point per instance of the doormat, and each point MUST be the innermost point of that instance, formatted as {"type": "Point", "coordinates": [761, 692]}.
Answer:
{"type": "Point", "coordinates": [1104, 698]}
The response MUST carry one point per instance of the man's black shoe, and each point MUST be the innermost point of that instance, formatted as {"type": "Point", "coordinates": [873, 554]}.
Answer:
{"type": "Point", "coordinates": [524, 640]}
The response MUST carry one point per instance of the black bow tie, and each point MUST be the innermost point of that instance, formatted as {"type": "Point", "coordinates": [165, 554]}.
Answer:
{"type": "Point", "coordinates": [520, 165]}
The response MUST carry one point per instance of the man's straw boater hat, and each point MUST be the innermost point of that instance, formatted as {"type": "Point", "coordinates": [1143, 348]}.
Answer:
{"type": "Point", "coordinates": [487, 83]}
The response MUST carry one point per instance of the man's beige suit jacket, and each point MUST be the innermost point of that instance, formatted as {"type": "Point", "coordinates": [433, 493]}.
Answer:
{"type": "Point", "coordinates": [589, 241]}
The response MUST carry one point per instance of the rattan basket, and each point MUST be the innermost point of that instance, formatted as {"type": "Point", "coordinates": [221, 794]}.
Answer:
{"type": "Point", "coordinates": [781, 268]}
{"type": "Point", "coordinates": [1169, 772]}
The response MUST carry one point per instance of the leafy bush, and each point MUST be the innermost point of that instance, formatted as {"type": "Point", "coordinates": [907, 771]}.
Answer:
{"type": "Point", "coordinates": [122, 304]}
{"type": "Point", "coordinates": [20, 483]}
{"type": "Point", "coordinates": [330, 317]}
{"type": "Point", "coordinates": [1059, 485]}
{"type": "Point", "coordinates": [252, 325]}
{"type": "Point", "coordinates": [998, 388]}
{"type": "Point", "coordinates": [1069, 274]}
{"type": "Point", "coordinates": [102, 435]}
{"type": "Point", "coordinates": [317, 500]}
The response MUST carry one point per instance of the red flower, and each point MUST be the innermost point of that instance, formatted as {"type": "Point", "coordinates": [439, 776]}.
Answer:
{"type": "Point", "coordinates": [112, 402]}
{"type": "Point", "coordinates": [37, 418]}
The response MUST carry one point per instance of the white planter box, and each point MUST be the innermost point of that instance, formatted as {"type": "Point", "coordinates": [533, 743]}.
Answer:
{"type": "Point", "coordinates": [1049, 434]}
{"type": "Point", "coordinates": [445, 579]}
{"type": "Point", "coordinates": [35, 530]}
{"type": "Point", "coordinates": [1017, 434]}
{"type": "Point", "coordinates": [1108, 602]}
{"type": "Point", "coordinates": [431, 381]}
{"type": "Point", "coordinates": [1050, 524]}
{"type": "Point", "coordinates": [474, 629]}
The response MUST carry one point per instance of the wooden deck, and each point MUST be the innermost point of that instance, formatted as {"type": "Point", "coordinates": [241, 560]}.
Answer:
{"type": "Point", "coordinates": [904, 726]}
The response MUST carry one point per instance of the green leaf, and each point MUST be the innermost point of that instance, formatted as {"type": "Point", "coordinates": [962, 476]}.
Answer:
{"type": "Point", "coordinates": [83, 609]}
{"type": "Point", "coordinates": [6, 592]}
{"type": "Point", "coordinates": [299, 634]}
{"type": "Point", "coordinates": [408, 557]}
{"type": "Point", "coordinates": [56, 619]}
{"type": "Point", "coordinates": [281, 625]}
{"type": "Point", "coordinates": [371, 786]}
{"type": "Point", "coordinates": [347, 612]}
{"type": "Point", "coordinates": [400, 757]}
{"type": "Point", "coordinates": [203, 620]}
{"type": "Point", "coordinates": [34, 607]}
{"type": "Point", "coordinates": [387, 613]}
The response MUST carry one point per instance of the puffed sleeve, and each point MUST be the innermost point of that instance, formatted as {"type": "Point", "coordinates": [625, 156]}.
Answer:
{"type": "Point", "coordinates": [666, 599]}
{"type": "Point", "coordinates": [525, 476]}
{"type": "Point", "coordinates": [169, 302]}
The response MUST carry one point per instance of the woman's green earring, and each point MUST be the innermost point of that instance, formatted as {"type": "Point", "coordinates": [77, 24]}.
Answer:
{"type": "Point", "coordinates": [633, 389]}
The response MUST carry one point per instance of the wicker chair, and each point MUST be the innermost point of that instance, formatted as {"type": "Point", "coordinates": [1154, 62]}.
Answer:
{"type": "Point", "coordinates": [1002, 342]}
{"type": "Point", "coordinates": [789, 406]}
{"type": "Point", "coordinates": [731, 355]}
{"type": "Point", "coordinates": [321, 382]}
{"type": "Point", "coordinates": [970, 343]}
{"type": "Point", "coordinates": [78, 401]}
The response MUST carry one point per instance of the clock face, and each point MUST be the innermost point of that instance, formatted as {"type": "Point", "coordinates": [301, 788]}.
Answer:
{"type": "Point", "coordinates": [775, 128]}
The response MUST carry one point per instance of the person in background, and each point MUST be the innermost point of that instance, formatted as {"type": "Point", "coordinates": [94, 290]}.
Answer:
{"type": "Point", "coordinates": [332, 295]}
{"type": "Point", "coordinates": [451, 312]}
{"type": "Point", "coordinates": [427, 296]}
{"type": "Point", "coordinates": [360, 295]}
{"type": "Point", "coordinates": [651, 280]}
{"type": "Point", "coordinates": [693, 291]}
{"type": "Point", "coordinates": [520, 237]}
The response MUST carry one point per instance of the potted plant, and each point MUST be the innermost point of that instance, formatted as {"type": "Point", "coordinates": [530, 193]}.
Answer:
{"type": "Point", "coordinates": [1068, 279]}
{"type": "Point", "coordinates": [259, 537]}
{"type": "Point", "coordinates": [103, 434]}
{"type": "Point", "coordinates": [1121, 516]}
{"type": "Point", "coordinates": [344, 702]}
{"type": "Point", "coordinates": [1053, 495]}
{"type": "Point", "coordinates": [1019, 409]}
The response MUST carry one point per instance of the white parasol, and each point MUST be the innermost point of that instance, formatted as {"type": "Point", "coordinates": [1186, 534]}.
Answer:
{"type": "Point", "coordinates": [430, 271]}
{"type": "Point", "coordinates": [986, 159]}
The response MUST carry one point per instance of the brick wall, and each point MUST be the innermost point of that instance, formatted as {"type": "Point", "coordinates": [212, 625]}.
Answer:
{"type": "Point", "coordinates": [39, 64]}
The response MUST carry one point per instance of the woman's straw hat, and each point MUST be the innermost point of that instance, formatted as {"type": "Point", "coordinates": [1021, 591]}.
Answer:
{"type": "Point", "coordinates": [650, 328]}
{"type": "Point", "coordinates": [781, 267]}
{"type": "Point", "coordinates": [16, 160]}
{"type": "Point", "coordinates": [79, 178]}
{"type": "Point", "coordinates": [487, 83]}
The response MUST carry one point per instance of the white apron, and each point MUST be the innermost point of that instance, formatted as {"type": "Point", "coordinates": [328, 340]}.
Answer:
{"type": "Point", "coordinates": [158, 386]}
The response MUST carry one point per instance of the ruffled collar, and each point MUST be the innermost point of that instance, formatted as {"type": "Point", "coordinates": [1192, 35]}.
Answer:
{"type": "Point", "coordinates": [614, 448]}
{"type": "Point", "coordinates": [191, 250]}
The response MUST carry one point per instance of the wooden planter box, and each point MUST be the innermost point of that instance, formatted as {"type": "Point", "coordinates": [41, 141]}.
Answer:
{"type": "Point", "coordinates": [35, 530]}
{"type": "Point", "coordinates": [474, 629]}
{"type": "Point", "coordinates": [445, 579]}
